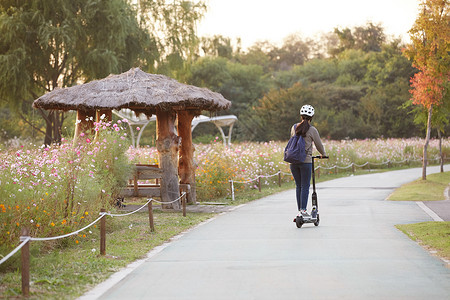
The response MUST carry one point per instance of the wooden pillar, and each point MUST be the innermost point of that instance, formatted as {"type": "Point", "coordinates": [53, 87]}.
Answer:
{"type": "Point", "coordinates": [107, 113]}
{"type": "Point", "coordinates": [167, 143]}
{"type": "Point", "coordinates": [84, 123]}
{"type": "Point", "coordinates": [186, 164]}
{"type": "Point", "coordinates": [106, 118]}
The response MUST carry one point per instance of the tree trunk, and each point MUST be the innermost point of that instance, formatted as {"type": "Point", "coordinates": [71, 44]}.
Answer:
{"type": "Point", "coordinates": [57, 122]}
{"type": "Point", "coordinates": [186, 164]}
{"type": "Point", "coordinates": [425, 147]}
{"type": "Point", "coordinates": [48, 139]}
{"type": "Point", "coordinates": [440, 150]}
{"type": "Point", "coordinates": [53, 122]}
{"type": "Point", "coordinates": [167, 144]}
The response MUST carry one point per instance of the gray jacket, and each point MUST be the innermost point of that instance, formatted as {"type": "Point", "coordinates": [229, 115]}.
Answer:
{"type": "Point", "coordinates": [312, 135]}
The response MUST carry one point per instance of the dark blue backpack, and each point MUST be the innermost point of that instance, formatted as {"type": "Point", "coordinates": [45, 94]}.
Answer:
{"type": "Point", "coordinates": [295, 151]}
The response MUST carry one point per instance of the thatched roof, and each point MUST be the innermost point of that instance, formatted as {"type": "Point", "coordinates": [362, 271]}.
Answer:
{"type": "Point", "coordinates": [135, 89]}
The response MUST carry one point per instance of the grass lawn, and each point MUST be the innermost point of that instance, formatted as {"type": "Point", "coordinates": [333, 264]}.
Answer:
{"type": "Point", "coordinates": [431, 189]}
{"type": "Point", "coordinates": [434, 236]}
{"type": "Point", "coordinates": [72, 266]}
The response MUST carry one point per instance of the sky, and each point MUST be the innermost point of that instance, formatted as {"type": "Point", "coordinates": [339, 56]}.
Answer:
{"type": "Point", "coordinates": [274, 20]}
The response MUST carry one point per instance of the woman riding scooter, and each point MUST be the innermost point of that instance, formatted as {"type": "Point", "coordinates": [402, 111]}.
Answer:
{"type": "Point", "coordinates": [302, 171]}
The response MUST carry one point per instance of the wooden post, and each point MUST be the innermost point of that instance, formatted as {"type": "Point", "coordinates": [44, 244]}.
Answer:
{"type": "Point", "coordinates": [103, 233]}
{"type": "Point", "coordinates": [107, 117]}
{"type": "Point", "coordinates": [135, 184]}
{"type": "Point", "coordinates": [183, 202]}
{"type": "Point", "coordinates": [335, 170]}
{"type": "Point", "coordinates": [353, 168]}
{"type": "Point", "coordinates": [84, 123]}
{"type": "Point", "coordinates": [279, 178]}
{"type": "Point", "coordinates": [186, 164]}
{"type": "Point", "coordinates": [107, 113]}
{"type": "Point", "coordinates": [150, 216]}
{"type": "Point", "coordinates": [167, 144]}
{"type": "Point", "coordinates": [25, 253]}
{"type": "Point", "coordinates": [259, 183]}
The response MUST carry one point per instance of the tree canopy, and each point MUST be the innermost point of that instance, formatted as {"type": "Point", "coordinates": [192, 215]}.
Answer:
{"type": "Point", "coordinates": [357, 78]}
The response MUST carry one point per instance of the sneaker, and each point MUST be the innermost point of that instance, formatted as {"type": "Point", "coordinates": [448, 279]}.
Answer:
{"type": "Point", "coordinates": [305, 214]}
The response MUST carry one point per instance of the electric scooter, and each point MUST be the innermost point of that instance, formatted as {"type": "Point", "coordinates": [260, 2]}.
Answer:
{"type": "Point", "coordinates": [299, 220]}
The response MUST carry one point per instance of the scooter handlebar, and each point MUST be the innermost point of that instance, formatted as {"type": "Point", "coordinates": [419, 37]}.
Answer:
{"type": "Point", "coordinates": [320, 157]}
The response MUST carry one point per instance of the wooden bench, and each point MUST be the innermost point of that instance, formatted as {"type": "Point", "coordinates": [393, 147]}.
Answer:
{"type": "Point", "coordinates": [147, 172]}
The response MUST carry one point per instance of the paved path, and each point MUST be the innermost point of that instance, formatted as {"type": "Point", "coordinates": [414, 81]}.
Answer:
{"type": "Point", "coordinates": [256, 251]}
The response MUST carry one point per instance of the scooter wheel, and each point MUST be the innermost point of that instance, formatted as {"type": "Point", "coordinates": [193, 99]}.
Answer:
{"type": "Point", "coordinates": [299, 222]}
{"type": "Point", "coordinates": [316, 223]}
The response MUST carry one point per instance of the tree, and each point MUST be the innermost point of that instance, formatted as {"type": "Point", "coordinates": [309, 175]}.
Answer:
{"type": "Point", "coordinates": [429, 51]}
{"type": "Point", "coordinates": [368, 38]}
{"type": "Point", "coordinates": [44, 46]}
{"type": "Point", "coordinates": [217, 46]}
{"type": "Point", "coordinates": [242, 84]}
{"type": "Point", "coordinates": [174, 24]}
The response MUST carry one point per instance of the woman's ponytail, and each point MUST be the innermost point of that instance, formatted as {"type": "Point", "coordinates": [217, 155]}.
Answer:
{"type": "Point", "coordinates": [303, 127]}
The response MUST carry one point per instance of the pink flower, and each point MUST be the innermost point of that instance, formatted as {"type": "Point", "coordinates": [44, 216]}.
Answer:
{"type": "Point", "coordinates": [138, 128]}
{"type": "Point", "coordinates": [88, 140]}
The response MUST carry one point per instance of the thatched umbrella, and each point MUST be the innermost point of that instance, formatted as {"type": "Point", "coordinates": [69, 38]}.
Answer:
{"type": "Point", "coordinates": [150, 94]}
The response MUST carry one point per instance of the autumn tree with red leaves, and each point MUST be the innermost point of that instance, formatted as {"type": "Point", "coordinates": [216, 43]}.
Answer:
{"type": "Point", "coordinates": [429, 52]}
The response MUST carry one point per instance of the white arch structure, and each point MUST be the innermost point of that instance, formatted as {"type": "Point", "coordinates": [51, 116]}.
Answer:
{"type": "Point", "coordinates": [142, 121]}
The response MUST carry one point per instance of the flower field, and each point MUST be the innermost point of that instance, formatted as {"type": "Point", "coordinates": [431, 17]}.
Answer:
{"type": "Point", "coordinates": [56, 190]}
{"type": "Point", "coordinates": [218, 164]}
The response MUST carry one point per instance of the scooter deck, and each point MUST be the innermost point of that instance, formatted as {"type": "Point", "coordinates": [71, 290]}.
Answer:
{"type": "Point", "coordinates": [299, 221]}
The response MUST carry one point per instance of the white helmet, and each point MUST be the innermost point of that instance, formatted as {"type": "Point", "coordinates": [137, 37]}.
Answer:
{"type": "Point", "coordinates": [307, 110]}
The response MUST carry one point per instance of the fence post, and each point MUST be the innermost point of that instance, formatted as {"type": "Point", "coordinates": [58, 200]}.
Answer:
{"type": "Point", "coordinates": [103, 233]}
{"type": "Point", "coordinates": [25, 253]}
{"type": "Point", "coordinates": [335, 170]}
{"type": "Point", "coordinates": [353, 168]}
{"type": "Point", "coordinates": [368, 164]}
{"type": "Point", "coordinates": [279, 178]}
{"type": "Point", "coordinates": [150, 216]}
{"type": "Point", "coordinates": [183, 203]}
{"type": "Point", "coordinates": [232, 190]}
{"type": "Point", "coordinates": [259, 183]}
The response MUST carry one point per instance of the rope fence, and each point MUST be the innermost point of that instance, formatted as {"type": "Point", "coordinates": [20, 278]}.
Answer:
{"type": "Point", "coordinates": [353, 166]}
{"type": "Point", "coordinates": [25, 239]}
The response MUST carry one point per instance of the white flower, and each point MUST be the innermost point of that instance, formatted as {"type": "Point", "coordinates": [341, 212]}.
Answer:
{"type": "Point", "coordinates": [93, 250]}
